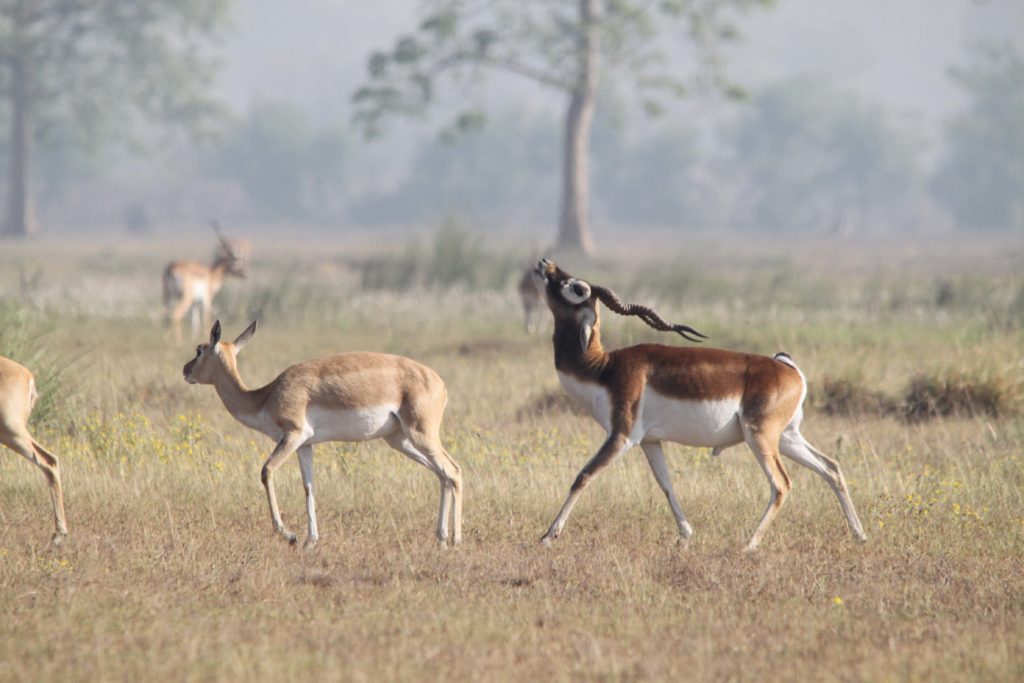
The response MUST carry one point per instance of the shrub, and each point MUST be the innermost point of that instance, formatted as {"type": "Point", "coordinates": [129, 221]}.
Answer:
{"type": "Point", "coordinates": [843, 397]}
{"type": "Point", "coordinates": [956, 394]}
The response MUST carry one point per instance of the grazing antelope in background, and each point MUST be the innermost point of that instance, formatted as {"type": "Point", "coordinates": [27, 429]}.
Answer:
{"type": "Point", "coordinates": [191, 286]}
{"type": "Point", "coordinates": [532, 300]}
{"type": "Point", "coordinates": [17, 397]}
{"type": "Point", "coordinates": [649, 393]}
{"type": "Point", "coordinates": [347, 397]}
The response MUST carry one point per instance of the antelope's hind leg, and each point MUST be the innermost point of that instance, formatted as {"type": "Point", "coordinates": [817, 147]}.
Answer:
{"type": "Point", "coordinates": [429, 452]}
{"type": "Point", "coordinates": [305, 454]}
{"type": "Point", "coordinates": [795, 447]}
{"type": "Point", "coordinates": [764, 444]}
{"type": "Point", "coordinates": [24, 445]}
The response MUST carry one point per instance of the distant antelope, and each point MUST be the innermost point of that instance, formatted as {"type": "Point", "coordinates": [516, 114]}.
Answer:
{"type": "Point", "coordinates": [347, 397]}
{"type": "Point", "coordinates": [191, 286]}
{"type": "Point", "coordinates": [238, 249]}
{"type": "Point", "coordinates": [532, 301]}
{"type": "Point", "coordinates": [17, 397]}
{"type": "Point", "coordinates": [649, 393]}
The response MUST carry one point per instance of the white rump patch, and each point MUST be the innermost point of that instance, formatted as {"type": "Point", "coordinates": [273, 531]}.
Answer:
{"type": "Point", "coordinates": [200, 291]}
{"type": "Point", "coordinates": [784, 357]}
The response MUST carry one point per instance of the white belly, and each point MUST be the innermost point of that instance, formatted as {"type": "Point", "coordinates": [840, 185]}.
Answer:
{"type": "Point", "coordinates": [661, 418]}
{"type": "Point", "coordinates": [593, 397]}
{"type": "Point", "coordinates": [687, 421]}
{"type": "Point", "coordinates": [360, 424]}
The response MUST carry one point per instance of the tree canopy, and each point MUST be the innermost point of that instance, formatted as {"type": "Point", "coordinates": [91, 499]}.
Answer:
{"type": "Point", "coordinates": [99, 68]}
{"type": "Point", "coordinates": [567, 46]}
{"type": "Point", "coordinates": [981, 180]}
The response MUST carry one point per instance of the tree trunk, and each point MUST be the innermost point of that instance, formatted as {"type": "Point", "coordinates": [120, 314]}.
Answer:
{"type": "Point", "coordinates": [21, 215]}
{"type": "Point", "coordinates": [573, 229]}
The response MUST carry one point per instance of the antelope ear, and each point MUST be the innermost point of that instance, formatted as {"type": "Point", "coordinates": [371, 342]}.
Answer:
{"type": "Point", "coordinates": [586, 329]}
{"type": "Point", "coordinates": [246, 336]}
{"type": "Point", "coordinates": [575, 291]}
{"type": "Point", "coordinates": [215, 334]}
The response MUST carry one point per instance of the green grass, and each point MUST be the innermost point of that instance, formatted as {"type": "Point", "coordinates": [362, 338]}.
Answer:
{"type": "Point", "coordinates": [171, 569]}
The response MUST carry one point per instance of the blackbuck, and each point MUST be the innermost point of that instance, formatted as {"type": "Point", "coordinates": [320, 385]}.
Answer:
{"type": "Point", "coordinates": [346, 397]}
{"type": "Point", "coordinates": [190, 286]}
{"type": "Point", "coordinates": [17, 397]}
{"type": "Point", "coordinates": [650, 393]}
{"type": "Point", "coordinates": [532, 301]}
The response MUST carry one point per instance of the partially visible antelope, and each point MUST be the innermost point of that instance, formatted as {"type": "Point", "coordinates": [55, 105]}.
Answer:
{"type": "Point", "coordinates": [649, 393]}
{"type": "Point", "coordinates": [17, 397]}
{"type": "Point", "coordinates": [191, 286]}
{"type": "Point", "coordinates": [347, 397]}
{"type": "Point", "coordinates": [532, 301]}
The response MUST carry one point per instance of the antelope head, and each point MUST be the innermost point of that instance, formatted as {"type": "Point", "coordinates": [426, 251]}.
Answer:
{"type": "Point", "coordinates": [574, 300]}
{"type": "Point", "coordinates": [234, 258]}
{"type": "Point", "coordinates": [216, 358]}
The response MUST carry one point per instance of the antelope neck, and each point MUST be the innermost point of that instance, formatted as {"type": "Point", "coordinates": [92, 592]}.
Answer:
{"type": "Point", "coordinates": [570, 358]}
{"type": "Point", "coordinates": [237, 398]}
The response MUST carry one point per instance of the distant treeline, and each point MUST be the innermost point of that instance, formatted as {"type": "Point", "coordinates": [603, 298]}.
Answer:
{"type": "Point", "coordinates": [797, 156]}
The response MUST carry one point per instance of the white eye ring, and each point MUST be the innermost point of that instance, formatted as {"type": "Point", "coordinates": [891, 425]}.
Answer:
{"type": "Point", "coordinates": [575, 291]}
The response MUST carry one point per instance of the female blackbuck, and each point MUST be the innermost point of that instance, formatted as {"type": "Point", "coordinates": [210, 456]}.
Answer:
{"type": "Point", "coordinates": [532, 301]}
{"type": "Point", "coordinates": [17, 397]}
{"type": "Point", "coordinates": [347, 397]}
{"type": "Point", "coordinates": [649, 393]}
{"type": "Point", "coordinates": [191, 286]}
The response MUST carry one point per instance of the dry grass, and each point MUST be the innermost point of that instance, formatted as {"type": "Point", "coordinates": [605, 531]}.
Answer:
{"type": "Point", "coordinates": [171, 571]}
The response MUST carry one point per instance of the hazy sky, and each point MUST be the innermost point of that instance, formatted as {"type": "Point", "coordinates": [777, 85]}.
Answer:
{"type": "Point", "coordinates": [897, 52]}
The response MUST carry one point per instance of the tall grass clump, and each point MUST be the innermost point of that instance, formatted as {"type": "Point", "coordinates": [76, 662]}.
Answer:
{"type": "Point", "coordinates": [22, 339]}
{"type": "Point", "coordinates": [456, 257]}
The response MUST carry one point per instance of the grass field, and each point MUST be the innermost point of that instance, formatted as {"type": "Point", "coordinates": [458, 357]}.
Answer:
{"type": "Point", "coordinates": [171, 570]}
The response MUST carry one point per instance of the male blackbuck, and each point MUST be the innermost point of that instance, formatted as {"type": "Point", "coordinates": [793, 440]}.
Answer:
{"type": "Point", "coordinates": [191, 286]}
{"type": "Point", "coordinates": [346, 397]}
{"type": "Point", "coordinates": [17, 397]}
{"type": "Point", "coordinates": [649, 393]}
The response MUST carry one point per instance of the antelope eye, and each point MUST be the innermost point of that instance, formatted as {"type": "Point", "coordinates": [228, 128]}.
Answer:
{"type": "Point", "coordinates": [199, 350]}
{"type": "Point", "coordinates": [577, 289]}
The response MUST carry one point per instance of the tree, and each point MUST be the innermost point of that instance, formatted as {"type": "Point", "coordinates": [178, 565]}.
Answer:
{"type": "Point", "coordinates": [288, 168]}
{"type": "Point", "coordinates": [981, 179]}
{"type": "Point", "coordinates": [812, 159]}
{"type": "Point", "coordinates": [565, 45]}
{"type": "Point", "coordinates": [500, 174]}
{"type": "Point", "coordinates": [92, 64]}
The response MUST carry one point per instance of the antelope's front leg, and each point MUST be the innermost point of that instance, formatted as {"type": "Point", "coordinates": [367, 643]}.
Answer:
{"type": "Point", "coordinates": [285, 447]}
{"type": "Point", "coordinates": [613, 447]}
{"type": "Point", "coordinates": [656, 459]}
{"type": "Point", "coordinates": [306, 465]}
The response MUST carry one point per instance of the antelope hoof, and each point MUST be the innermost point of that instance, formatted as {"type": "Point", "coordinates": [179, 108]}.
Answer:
{"type": "Point", "coordinates": [546, 539]}
{"type": "Point", "coordinates": [310, 544]}
{"type": "Point", "coordinates": [59, 537]}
